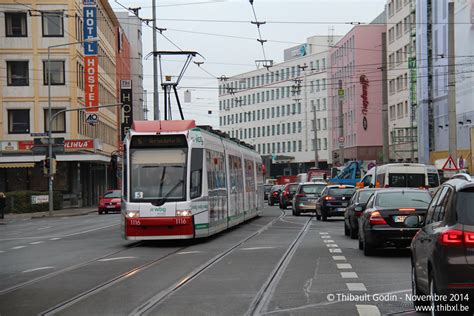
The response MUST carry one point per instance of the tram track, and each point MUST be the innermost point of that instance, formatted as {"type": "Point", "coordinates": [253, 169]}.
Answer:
{"type": "Point", "coordinates": [161, 296]}
{"type": "Point", "coordinates": [264, 295]}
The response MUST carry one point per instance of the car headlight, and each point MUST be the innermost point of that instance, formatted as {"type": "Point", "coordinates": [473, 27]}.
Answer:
{"type": "Point", "coordinates": [133, 214]}
{"type": "Point", "coordinates": [183, 213]}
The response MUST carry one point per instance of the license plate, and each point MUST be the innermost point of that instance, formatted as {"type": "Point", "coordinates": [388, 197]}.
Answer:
{"type": "Point", "coordinates": [344, 204]}
{"type": "Point", "coordinates": [110, 206]}
{"type": "Point", "coordinates": [399, 219]}
{"type": "Point", "coordinates": [340, 210]}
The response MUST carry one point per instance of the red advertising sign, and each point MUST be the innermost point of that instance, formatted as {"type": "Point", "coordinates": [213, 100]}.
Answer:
{"type": "Point", "coordinates": [91, 68]}
{"type": "Point", "coordinates": [364, 81]}
{"type": "Point", "coordinates": [25, 144]}
{"type": "Point", "coordinates": [79, 144]}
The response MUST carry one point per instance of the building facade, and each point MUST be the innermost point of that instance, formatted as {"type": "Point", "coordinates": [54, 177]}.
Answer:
{"type": "Point", "coordinates": [355, 63]}
{"type": "Point", "coordinates": [277, 109]}
{"type": "Point", "coordinates": [432, 70]}
{"type": "Point", "coordinates": [83, 167]}
{"type": "Point", "coordinates": [401, 76]}
{"type": "Point", "coordinates": [132, 26]}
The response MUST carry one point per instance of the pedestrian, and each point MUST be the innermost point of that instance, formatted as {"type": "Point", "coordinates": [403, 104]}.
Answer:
{"type": "Point", "coordinates": [3, 203]}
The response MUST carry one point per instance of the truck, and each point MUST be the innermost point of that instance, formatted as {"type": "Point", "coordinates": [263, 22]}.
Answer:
{"type": "Point", "coordinates": [352, 172]}
{"type": "Point", "coordinates": [285, 179]}
{"type": "Point", "coordinates": [315, 174]}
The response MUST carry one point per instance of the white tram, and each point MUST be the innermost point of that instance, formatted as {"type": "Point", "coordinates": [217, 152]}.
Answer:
{"type": "Point", "coordinates": [183, 181]}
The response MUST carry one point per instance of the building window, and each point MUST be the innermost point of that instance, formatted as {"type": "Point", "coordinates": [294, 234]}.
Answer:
{"type": "Point", "coordinates": [15, 24]}
{"type": "Point", "coordinates": [17, 73]}
{"type": "Point", "coordinates": [18, 121]}
{"type": "Point", "coordinates": [53, 24]}
{"type": "Point", "coordinates": [57, 72]}
{"type": "Point", "coordinates": [59, 121]}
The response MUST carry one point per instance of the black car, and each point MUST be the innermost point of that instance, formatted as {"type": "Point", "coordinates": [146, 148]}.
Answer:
{"type": "Point", "coordinates": [382, 222]}
{"type": "Point", "coordinates": [266, 191]}
{"type": "Point", "coordinates": [286, 195]}
{"type": "Point", "coordinates": [442, 253]}
{"type": "Point", "coordinates": [354, 211]}
{"type": "Point", "coordinates": [274, 195]}
{"type": "Point", "coordinates": [333, 201]}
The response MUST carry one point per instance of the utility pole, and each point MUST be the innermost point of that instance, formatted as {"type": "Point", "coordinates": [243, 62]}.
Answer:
{"type": "Point", "coordinates": [316, 156]}
{"type": "Point", "coordinates": [341, 127]}
{"type": "Point", "coordinates": [385, 128]}
{"type": "Point", "coordinates": [452, 85]}
{"type": "Point", "coordinates": [156, 107]}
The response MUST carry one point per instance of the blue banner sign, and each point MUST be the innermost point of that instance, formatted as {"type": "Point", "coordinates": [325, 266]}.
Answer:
{"type": "Point", "coordinates": [90, 30]}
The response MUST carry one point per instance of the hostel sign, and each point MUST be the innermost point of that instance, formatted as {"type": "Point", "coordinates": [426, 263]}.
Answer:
{"type": "Point", "coordinates": [90, 57]}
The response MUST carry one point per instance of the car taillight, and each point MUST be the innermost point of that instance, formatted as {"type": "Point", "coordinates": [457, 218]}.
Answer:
{"type": "Point", "coordinates": [284, 193]}
{"type": "Point", "coordinates": [451, 237]}
{"type": "Point", "coordinates": [386, 186]}
{"type": "Point", "coordinates": [376, 219]}
{"type": "Point", "coordinates": [328, 198]}
{"type": "Point", "coordinates": [275, 193]}
{"type": "Point", "coordinates": [469, 238]}
{"type": "Point", "coordinates": [301, 195]}
{"type": "Point", "coordinates": [407, 209]}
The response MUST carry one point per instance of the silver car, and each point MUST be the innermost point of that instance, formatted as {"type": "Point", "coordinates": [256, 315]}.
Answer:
{"type": "Point", "coordinates": [306, 196]}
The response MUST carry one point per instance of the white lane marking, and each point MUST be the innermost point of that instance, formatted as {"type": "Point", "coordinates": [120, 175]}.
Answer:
{"type": "Point", "coordinates": [37, 269]}
{"type": "Point", "coordinates": [188, 252]}
{"type": "Point", "coordinates": [344, 266]}
{"type": "Point", "coordinates": [323, 233]}
{"type": "Point", "coordinates": [55, 238]}
{"type": "Point", "coordinates": [43, 228]}
{"type": "Point", "coordinates": [328, 240]}
{"type": "Point", "coordinates": [68, 235]}
{"type": "Point", "coordinates": [1, 251]}
{"type": "Point", "coordinates": [349, 275]}
{"type": "Point", "coordinates": [17, 247]}
{"type": "Point", "coordinates": [117, 258]}
{"type": "Point", "coordinates": [339, 257]}
{"type": "Point", "coordinates": [335, 250]}
{"type": "Point", "coordinates": [368, 310]}
{"type": "Point", "coordinates": [332, 245]}
{"type": "Point", "coordinates": [36, 242]}
{"type": "Point", "coordinates": [257, 248]}
{"type": "Point", "coordinates": [356, 287]}
{"type": "Point", "coordinates": [325, 236]}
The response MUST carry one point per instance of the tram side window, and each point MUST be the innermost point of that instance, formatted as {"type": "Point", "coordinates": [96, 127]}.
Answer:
{"type": "Point", "coordinates": [196, 172]}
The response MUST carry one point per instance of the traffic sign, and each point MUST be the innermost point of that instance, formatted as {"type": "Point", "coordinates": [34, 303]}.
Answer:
{"type": "Point", "coordinates": [92, 118]}
{"type": "Point", "coordinates": [371, 165]}
{"type": "Point", "coordinates": [450, 165]}
{"type": "Point", "coordinates": [341, 139]}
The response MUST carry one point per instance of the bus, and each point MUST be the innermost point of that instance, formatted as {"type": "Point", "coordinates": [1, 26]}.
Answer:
{"type": "Point", "coordinates": [182, 181]}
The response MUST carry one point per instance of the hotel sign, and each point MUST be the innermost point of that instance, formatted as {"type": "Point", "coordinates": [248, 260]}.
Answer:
{"type": "Point", "coordinates": [91, 62]}
{"type": "Point", "coordinates": [364, 81]}
{"type": "Point", "coordinates": [127, 107]}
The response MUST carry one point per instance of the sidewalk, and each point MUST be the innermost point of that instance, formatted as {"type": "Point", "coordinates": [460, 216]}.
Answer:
{"type": "Point", "coordinates": [57, 213]}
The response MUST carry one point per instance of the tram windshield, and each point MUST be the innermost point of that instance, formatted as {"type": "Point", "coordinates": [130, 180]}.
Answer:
{"type": "Point", "coordinates": [158, 174]}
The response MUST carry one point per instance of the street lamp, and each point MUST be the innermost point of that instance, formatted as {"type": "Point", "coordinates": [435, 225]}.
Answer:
{"type": "Point", "coordinates": [50, 145]}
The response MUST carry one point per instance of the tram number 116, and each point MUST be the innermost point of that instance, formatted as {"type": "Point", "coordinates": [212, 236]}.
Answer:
{"type": "Point", "coordinates": [181, 221]}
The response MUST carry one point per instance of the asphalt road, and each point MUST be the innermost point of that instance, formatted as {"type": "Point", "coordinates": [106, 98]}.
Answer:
{"type": "Point", "coordinates": [276, 264]}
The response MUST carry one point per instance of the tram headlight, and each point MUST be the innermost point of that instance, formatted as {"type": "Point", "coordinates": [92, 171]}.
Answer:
{"type": "Point", "coordinates": [183, 213]}
{"type": "Point", "coordinates": [133, 214]}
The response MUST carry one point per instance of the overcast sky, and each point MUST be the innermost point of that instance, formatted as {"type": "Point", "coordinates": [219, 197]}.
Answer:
{"type": "Point", "coordinates": [230, 46]}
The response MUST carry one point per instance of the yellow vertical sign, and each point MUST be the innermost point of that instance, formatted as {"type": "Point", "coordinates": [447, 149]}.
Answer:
{"type": "Point", "coordinates": [471, 164]}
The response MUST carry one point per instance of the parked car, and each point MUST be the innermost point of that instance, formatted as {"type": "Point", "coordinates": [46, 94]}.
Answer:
{"type": "Point", "coordinates": [442, 257]}
{"type": "Point", "coordinates": [333, 201]}
{"type": "Point", "coordinates": [286, 195]}
{"type": "Point", "coordinates": [110, 202]}
{"type": "Point", "coordinates": [354, 211]}
{"type": "Point", "coordinates": [274, 196]}
{"type": "Point", "coordinates": [306, 196]}
{"type": "Point", "coordinates": [266, 191]}
{"type": "Point", "coordinates": [382, 222]}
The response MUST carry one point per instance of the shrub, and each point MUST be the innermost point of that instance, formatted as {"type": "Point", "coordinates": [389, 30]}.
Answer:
{"type": "Point", "coordinates": [20, 202]}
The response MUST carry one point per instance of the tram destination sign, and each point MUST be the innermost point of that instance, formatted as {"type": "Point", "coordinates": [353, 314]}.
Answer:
{"type": "Point", "coordinates": [147, 141]}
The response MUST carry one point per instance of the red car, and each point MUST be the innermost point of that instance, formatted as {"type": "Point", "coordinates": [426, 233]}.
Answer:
{"type": "Point", "coordinates": [110, 201]}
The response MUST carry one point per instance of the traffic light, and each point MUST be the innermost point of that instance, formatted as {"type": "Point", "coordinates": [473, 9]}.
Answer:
{"type": "Point", "coordinates": [49, 163]}
{"type": "Point", "coordinates": [46, 167]}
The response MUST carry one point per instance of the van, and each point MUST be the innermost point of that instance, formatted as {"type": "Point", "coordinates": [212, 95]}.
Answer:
{"type": "Point", "coordinates": [401, 175]}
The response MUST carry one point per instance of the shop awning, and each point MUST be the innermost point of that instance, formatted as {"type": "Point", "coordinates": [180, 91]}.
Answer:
{"type": "Point", "coordinates": [17, 165]}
